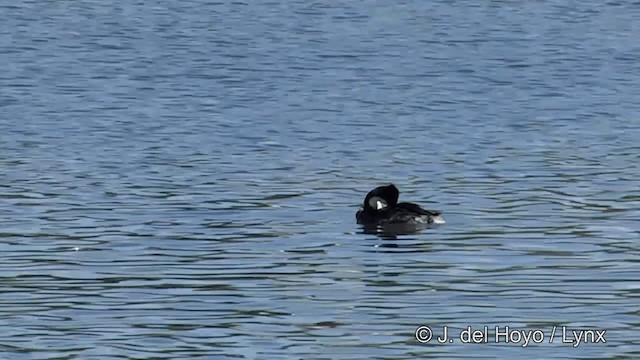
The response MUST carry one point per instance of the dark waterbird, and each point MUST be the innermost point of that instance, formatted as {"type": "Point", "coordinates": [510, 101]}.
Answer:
{"type": "Point", "coordinates": [381, 209]}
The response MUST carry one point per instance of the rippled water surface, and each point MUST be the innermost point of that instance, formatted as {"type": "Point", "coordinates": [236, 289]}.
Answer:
{"type": "Point", "coordinates": [179, 180]}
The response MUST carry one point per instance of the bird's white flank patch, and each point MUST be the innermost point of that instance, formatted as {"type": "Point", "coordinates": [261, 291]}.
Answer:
{"type": "Point", "coordinates": [438, 220]}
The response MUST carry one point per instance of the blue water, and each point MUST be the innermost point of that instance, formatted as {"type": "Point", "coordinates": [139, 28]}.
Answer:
{"type": "Point", "coordinates": [180, 179]}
